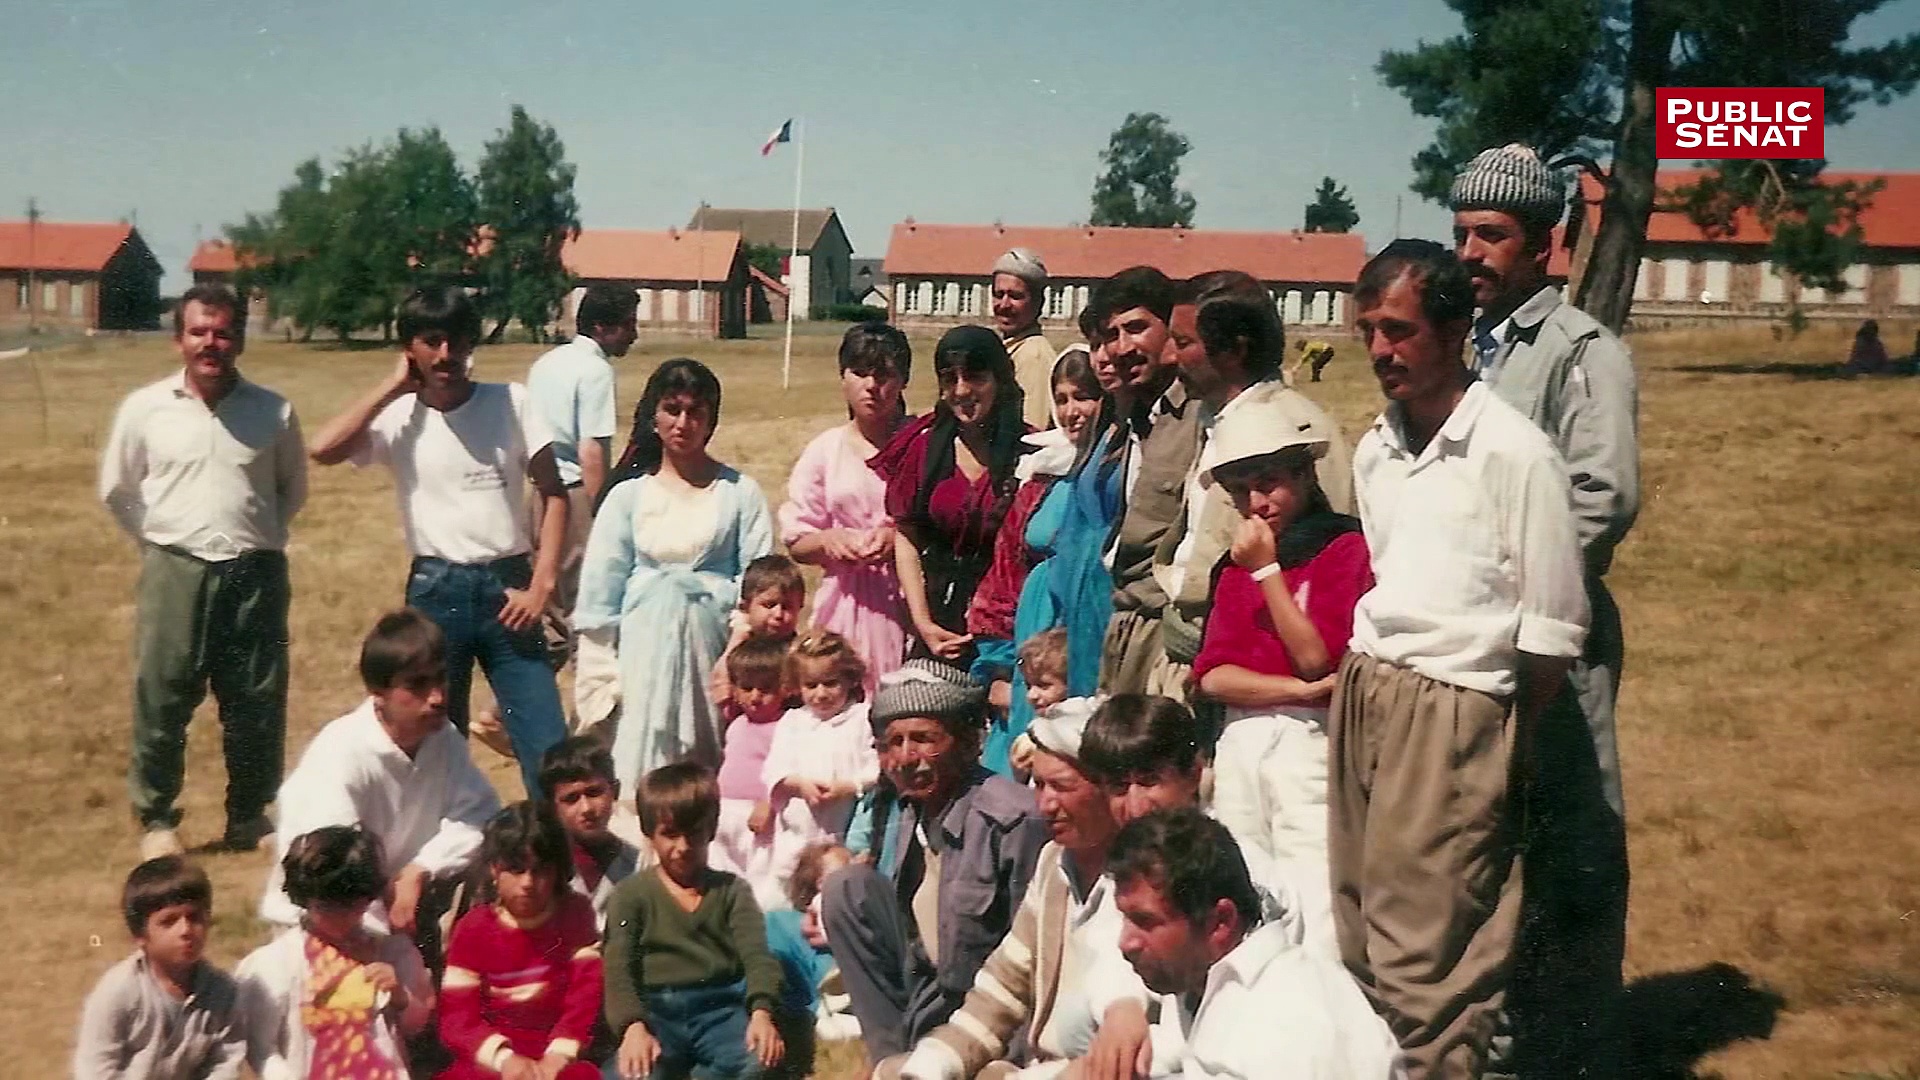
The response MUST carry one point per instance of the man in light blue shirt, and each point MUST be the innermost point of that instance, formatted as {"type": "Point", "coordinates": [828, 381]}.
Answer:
{"type": "Point", "coordinates": [572, 389]}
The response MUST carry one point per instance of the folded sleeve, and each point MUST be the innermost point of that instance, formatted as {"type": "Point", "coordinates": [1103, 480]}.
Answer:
{"type": "Point", "coordinates": [471, 803]}
{"type": "Point", "coordinates": [1540, 532]}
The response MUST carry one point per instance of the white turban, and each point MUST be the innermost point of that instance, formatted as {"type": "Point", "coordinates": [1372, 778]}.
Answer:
{"type": "Point", "coordinates": [1059, 728]}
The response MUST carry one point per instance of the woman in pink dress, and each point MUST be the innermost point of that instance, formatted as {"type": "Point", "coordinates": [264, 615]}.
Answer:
{"type": "Point", "coordinates": [835, 516]}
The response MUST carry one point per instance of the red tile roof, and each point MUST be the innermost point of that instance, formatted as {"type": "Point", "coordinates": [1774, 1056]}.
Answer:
{"type": "Point", "coordinates": [634, 255]}
{"type": "Point", "coordinates": [1092, 253]}
{"type": "Point", "coordinates": [213, 257]}
{"type": "Point", "coordinates": [60, 245]}
{"type": "Point", "coordinates": [1893, 219]}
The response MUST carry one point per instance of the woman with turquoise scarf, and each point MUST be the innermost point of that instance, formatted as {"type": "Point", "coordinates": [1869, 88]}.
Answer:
{"type": "Point", "coordinates": [673, 533]}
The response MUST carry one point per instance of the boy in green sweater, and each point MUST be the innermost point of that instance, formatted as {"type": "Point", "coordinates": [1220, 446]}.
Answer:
{"type": "Point", "coordinates": [690, 983]}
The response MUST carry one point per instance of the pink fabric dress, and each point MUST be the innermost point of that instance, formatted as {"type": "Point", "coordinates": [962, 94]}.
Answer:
{"type": "Point", "coordinates": [832, 487]}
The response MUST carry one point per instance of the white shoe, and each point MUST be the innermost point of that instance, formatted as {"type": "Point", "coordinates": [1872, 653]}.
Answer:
{"type": "Point", "coordinates": [159, 843]}
{"type": "Point", "coordinates": [837, 1027]}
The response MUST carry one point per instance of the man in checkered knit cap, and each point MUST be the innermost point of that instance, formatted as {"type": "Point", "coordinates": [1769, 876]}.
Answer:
{"type": "Point", "coordinates": [1575, 379]}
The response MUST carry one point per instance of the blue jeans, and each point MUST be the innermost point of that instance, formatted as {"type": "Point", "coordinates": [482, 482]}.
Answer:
{"type": "Point", "coordinates": [465, 601]}
{"type": "Point", "coordinates": [702, 1031]}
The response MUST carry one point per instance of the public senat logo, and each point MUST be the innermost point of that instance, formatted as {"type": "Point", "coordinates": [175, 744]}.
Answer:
{"type": "Point", "coordinates": [1740, 122]}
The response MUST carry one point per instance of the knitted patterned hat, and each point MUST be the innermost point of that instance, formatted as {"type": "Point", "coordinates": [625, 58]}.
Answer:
{"type": "Point", "coordinates": [930, 689]}
{"type": "Point", "coordinates": [1023, 263]}
{"type": "Point", "coordinates": [1511, 179]}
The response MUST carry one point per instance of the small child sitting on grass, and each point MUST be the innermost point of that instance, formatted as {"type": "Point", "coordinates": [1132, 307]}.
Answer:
{"type": "Point", "coordinates": [1043, 666]}
{"type": "Point", "coordinates": [799, 942]}
{"type": "Point", "coordinates": [577, 775]}
{"type": "Point", "coordinates": [743, 838]}
{"type": "Point", "coordinates": [522, 988]}
{"type": "Point", "coordinates": [772, 592]}
{"type": "Point", "coordinates": [163, 1013]}
{"type": "Point", "coordinates": [331, 996]}
{"type": "Point", "coordinates": [689, 981]}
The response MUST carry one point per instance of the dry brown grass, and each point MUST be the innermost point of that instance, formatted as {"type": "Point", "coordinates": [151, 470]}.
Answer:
{"type": "Point", "coordinates": [1770, 592]}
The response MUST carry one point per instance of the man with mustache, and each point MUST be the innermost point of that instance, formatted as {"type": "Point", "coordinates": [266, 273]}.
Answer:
{"type": "Point", "coordinates": [462, 454]}
{"type": "Point", "coordinates": [1476, 613]}
{"type": "Point", "coordinates": [910, 931]}
{"type": "Point", "coordinates": [1162, 438]}
{"type": "Point", "coordinates": [205, 470]}
{"type": "Point", "coordinates": [1575, 379]}
{"type": "Point", "coordinates": [1019, 294]}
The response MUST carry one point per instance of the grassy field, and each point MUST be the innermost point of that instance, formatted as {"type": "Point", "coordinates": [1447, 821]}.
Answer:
{"type": "Point", "coordinates": [1771, 593]}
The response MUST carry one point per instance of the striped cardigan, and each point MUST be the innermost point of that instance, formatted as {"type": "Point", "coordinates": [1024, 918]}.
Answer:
{"type": "Point", "coordinates": [1016, 988]}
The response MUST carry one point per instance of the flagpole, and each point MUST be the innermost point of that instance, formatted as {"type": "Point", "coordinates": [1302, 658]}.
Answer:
{"type": "Point", "coordinates": [793, 253]}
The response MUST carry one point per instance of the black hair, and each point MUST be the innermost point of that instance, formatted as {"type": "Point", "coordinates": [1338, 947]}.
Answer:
{"type": "Point", "coordinates": [972, 350]}
{"type": "Point", "coordinates": [1233, 307]}
{"type": "Point", "coordinates": [1190, 857]}
{"type": "Point", "coordinates": [523, 837]}
{"type": "Point", "coordinates": [447, 309]}
{"type": "Point", "coordinates": [1133, 735]}
{"type": "Point", "coordinates": [1074, 365]}
{"type": "Point", "coordinates": [1446, 290]}
{"type": "Point", "coordinates": [402, 642]}
{"type": "Point", "coordinates": [680, 375]}
{"type": "Point", "coordinates": [162, 883]}
{"type": "Point", "coordinates": [337, 865]}
{"type": "Point", "coordinates": [211, 294]}
{"type": "Point", "coordinates": [604, 305]}
{"type": "Point", "coordinates": [573, 759]}
{"type": "Point", "coordinates": [872, 346]}
{"type": "Point", "coordinates": [1135, 287]}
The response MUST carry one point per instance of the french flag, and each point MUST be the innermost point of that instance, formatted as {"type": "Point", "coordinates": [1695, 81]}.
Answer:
{"type": "Point", "coordinates": [785, 134]}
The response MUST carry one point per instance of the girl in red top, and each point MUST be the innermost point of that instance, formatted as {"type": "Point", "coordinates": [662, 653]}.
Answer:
{"type": "Point", "coordinates": [1282, 614]}
{"type": "Point", "coordinates": [522, 988]}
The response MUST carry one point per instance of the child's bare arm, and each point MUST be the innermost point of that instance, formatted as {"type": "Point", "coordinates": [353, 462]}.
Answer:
{"type": "Point", "coordinates": [1230, 684]}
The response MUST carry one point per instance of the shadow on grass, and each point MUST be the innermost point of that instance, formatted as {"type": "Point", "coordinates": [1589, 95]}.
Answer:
{"type": "Point", "coordinates": [1670, 1021]}
{"type": "Point", "coordinates": [1790, 369]}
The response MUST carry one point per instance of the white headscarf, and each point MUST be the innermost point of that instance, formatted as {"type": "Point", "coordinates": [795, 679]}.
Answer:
{"type": "Point", "coordinates": [1053, 452]}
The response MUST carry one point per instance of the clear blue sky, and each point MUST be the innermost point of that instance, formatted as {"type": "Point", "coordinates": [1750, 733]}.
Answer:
{"type": "Point", "coordinates": [191, 113]}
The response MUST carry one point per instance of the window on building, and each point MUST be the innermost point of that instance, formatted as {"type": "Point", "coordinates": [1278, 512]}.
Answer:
{"type": "Point", "coordinates": [1856, 291]}
{"type": "Point", "coordinates": [1322, 308]}
{"type": "Point", "coordinates": [969, 300]}
{"type": "Point", "coordinates": [923, 298]}
{"type": "Point", "coordinates": [902, 298]}
{"type": "Point", "coordinates": [1715, 289]}
{"type": "Point", "coordinates": [50, 296]}
{"type": "Point", "coordinates": [1908, 290]}
{"type": "Point", "coordinates": [946, 298]}
{"type": "Point", "coordinates": [644, 311]}
{"type": "Point", "coordinates": [1773, 284]}
{"type": "Point", "coordinates": [1056, 305]}
{"type": "Point", "coordinates": [1290, 307]}
{"type": "Point", "coordinates": [77, 300]}
{"type": "Point", "coordinates": [1080, 298]}
{"type": "Point", "coordinates": [1643, 280]}
{"type": "Point", "coordinates": [21, 298]}
{"type": "Point", "coordinates": [1675, 284]}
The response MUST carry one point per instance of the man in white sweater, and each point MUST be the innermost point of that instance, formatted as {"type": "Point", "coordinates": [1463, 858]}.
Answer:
{"type": "Point", "coordinates": [397, 769]}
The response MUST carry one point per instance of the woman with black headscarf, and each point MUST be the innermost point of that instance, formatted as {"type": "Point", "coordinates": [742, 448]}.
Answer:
{"type": "Point", "coordinates": [950, 478]}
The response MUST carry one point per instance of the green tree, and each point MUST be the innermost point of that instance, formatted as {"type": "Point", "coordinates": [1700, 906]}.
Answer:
{"type": "Point", "coordinates": [526, 201]}
{"type": "Point", "coordinates": [1331, 210]}
{"type": "Point", "coordinates": [428, 209]}
{"type": "Point", "coordinates": [769, 259]}
{"type": "Point", "coordinates": [1141, 185]}
{"type": "Point", "coordinates": [1576, 79]}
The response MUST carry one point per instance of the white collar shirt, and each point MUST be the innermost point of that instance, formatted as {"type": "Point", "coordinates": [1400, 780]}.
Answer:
{"type": "Point", "coordinates": [572, 387]}
{"type": "Point", "coordinates": [1475, 554]}
{"type": "Point", "coordinates": [427, 809]}
{"type": "Point", "coordinates": [216, 482]}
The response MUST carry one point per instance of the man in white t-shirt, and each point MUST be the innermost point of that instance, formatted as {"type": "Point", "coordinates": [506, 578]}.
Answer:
{"type": "Point", "coordinates": [462, 453]}
{"type": "Point", "coordinates": [572, 387]}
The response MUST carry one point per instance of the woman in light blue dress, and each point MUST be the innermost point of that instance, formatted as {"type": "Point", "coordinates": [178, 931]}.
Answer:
{"type": "Point", "coordinates": [672, 535]}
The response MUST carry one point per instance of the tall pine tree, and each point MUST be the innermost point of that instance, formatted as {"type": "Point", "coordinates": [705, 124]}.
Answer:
{"type": "Point", "coordinates": [1331, 210]}
{"type": "Point", "coordinates": [1141, 185]}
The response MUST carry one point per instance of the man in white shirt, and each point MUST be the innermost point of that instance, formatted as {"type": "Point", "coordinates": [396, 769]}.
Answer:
{"type": "Point", "coordinates": [1248, 1000]}
{"type": "Point", "coordinates": [462, 454]}
{"type": "Point", "coordinates": [572, 388]}
{"type": "Point", "coordinates": [397, 769]}
{"type": "Point", "coordinates": [1476, 612]}
{"type": "Point", "coordinates": [205, 471]}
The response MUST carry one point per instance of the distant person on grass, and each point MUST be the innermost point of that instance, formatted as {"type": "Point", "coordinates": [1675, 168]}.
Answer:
{"type": "Point", "coordinates": [396, 769]}
{"type": "Point", "coordinates": [205, 470]}
{"type": "Point", "coordinates": [462, 454]}
{"type": "Point", "coordinates": [1476, 612]}
{"type": "Point", "coordinates": [1868, 355]}
{"type": "Point", "coordinates": [163, 1013]}
{"type": "Point", "coordinates": [572, 388]}
{"type": "Point", "coordinates": [1575, 380]}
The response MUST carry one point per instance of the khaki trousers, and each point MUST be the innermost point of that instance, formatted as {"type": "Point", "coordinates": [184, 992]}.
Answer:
{"type": "Point", "coordinates": [1134, 660]}
{"type": "Point", "coordinates": [1422, 845]}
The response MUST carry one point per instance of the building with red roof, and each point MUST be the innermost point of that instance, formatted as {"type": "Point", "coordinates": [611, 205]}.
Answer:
{"type": "Point", "coordinates": [686, 279]}
{"type": "Point", "coordinates": [77, 276]}
{"type": "Point", "coordinates": [1688, 272]}
{"type": "Point", "coordinates": [939, 273]}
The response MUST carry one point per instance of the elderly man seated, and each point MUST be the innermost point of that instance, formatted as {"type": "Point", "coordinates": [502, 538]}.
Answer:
{"type": "Point", "coordinates": [1241, 999]}
{"type": "Point", "coordinates": [910, 932]}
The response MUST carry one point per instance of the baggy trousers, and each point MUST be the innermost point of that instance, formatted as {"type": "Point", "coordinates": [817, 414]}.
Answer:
{"type": "Point", "coordinates": [1425, 859]}
{"type": "Point", "coordinates": [201, 625]}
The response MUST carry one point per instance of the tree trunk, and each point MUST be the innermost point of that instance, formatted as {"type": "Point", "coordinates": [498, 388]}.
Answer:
{"type": "Point", "coordinates": [1606, 289]}
{"type": "Point", "coordinates": [499, 331]}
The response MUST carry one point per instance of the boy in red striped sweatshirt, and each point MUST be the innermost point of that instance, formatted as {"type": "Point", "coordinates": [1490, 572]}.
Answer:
{"type": "Point", "coordinates": [523, 982]}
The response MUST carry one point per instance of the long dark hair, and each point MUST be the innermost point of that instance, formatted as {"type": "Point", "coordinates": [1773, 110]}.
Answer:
{"type": "Point", "coordinates": [971, 350]}
{"type": "Point", "coordinates": [681, 375]}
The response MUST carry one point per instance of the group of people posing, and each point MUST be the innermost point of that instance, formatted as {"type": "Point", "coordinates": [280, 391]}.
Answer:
{"type": "Point", "coordinates": [1141, 726]}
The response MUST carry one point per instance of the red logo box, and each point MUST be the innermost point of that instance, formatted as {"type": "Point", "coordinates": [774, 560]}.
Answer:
{"type": "Point", "coordinates": [1740, 122]}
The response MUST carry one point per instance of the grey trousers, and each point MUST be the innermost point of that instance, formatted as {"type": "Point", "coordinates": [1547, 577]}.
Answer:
{"type": "Point", "coordinates": [1573, 935]}
{"type": "Point", "coordinates": [886, 973]}
{"type": "Point", "coordinates": [204, 624]}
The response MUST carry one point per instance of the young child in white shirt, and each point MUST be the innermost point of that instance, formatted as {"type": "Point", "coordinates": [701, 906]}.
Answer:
{"type": "Point", "coordinates": [822, 759]}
